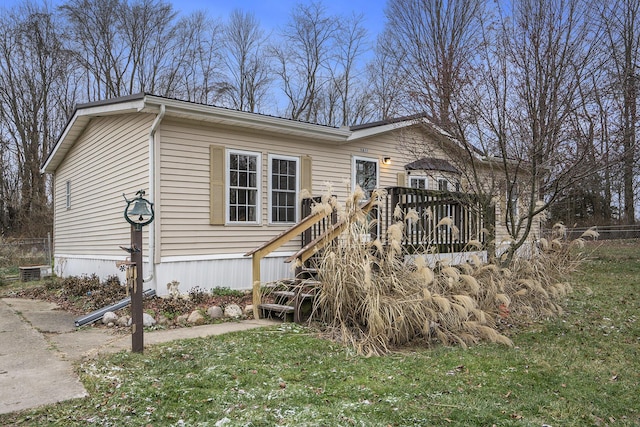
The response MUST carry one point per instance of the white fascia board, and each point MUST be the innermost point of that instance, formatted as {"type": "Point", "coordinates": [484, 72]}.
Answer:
{"type": "Point", "coordinates": [125, 107]}
{"type": "Point", "coordinates": [48, 166]}
{"type": "Point", "coordinates": [364, 133]}
{"type": "Point", "coordinates": [243, 119]}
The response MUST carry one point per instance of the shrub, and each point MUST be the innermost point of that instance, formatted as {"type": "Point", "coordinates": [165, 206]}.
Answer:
{"type": "Point", "coordinates": [198, 295]}
{"type": "Point", "coordinates": [94, 294]}
{"type": "Point", "coordinates": [173, 307]}
{"type": "Point", "coordinates": [226, 292]}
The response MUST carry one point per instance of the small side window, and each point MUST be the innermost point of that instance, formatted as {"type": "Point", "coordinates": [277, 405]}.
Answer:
{"type": "Point", "coordinates": [68, 195]}
{"type": "Point", "coordinates": [419, 182]}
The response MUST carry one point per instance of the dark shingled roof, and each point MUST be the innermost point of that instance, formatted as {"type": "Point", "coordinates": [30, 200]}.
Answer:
{"type": "Point", "coordinates": [431, 164]}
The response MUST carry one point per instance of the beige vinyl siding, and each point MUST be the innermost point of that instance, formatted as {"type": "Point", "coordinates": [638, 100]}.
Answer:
{"type": "Point", "coordinates": [109, 158]}
{"type": "Point", "coordinates": [185, 188]}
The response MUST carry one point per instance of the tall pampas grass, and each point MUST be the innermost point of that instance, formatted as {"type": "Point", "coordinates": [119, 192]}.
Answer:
{"type": "Point", "coordinates": [375, 298]}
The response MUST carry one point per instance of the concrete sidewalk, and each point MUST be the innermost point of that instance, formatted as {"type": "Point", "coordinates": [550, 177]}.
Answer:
{"type": "Point", "coordinates": [39, 345]}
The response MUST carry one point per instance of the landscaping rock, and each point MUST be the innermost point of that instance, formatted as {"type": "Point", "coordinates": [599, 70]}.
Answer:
{"type": "Point", "coordinates": [248, 309]}
{"type": "Point", "coordinates": [182, 319]}
{"type": "Point", "coordinates": [215, 312]}
{"type": "Point", "coordinates": [233, 310]}
{"type": "Point", "coordinates": [148, 320]}
{"type": "Point", "coordinates": [123, 321]}
{"type": "Point", "coordinates": [195, 318]}
{"type": "Point", "coordinates": [162, 320]}
{"type": "Point", "coordinates": [109, 317]}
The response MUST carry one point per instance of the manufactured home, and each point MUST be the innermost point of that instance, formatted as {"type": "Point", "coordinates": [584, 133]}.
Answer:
{"type": "Point", "coordinates": [222, 182]}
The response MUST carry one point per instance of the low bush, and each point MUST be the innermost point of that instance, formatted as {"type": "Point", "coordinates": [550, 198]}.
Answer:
{"type": "Point", "coordinates": [226, 292]}
{"type": "Point", "coordinates": [174, 307]}
{"type": "Point", "coordinates": [198, 295]}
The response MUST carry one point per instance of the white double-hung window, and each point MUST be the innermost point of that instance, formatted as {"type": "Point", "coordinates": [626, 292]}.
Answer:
{"type": "Point", "coordinates": [243, 187]}
{"type": "Point", "coordinates": [284, 172]}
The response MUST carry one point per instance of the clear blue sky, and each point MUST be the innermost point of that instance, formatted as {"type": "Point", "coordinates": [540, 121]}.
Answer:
{"type": "Point", "coordinates": [273, 13]}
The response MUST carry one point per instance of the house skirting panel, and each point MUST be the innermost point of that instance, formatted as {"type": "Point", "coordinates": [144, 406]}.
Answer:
{"type": "Point", "coordinates": [86, 265]}
{"type": "Point", "coordinates": [232, 271]}
{"type": "Point", "coordinates": [454, 258]}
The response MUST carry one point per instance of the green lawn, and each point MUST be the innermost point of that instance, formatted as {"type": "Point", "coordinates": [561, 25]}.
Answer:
{"type": "Point", "coordinates": [581, 369]}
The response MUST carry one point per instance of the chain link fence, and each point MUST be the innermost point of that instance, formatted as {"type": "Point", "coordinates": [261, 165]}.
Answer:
{"type": "Point", "coordinates": [606, 232]}
{"type": "Point", "coordinates": [16, 253]}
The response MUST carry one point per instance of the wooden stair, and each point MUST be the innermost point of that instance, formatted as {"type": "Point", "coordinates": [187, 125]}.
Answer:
{"type": "Point", "coordinates": [292, 300]}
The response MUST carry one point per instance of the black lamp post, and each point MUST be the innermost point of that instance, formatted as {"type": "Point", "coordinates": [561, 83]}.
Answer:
{"type": "Point", "coordinates": [138, 213]}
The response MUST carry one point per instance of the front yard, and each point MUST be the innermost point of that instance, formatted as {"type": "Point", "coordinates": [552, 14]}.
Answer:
{"type": "Point", "coordinates": [582, 368]}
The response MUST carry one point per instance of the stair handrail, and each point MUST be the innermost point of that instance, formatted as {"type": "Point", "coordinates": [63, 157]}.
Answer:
{"type": "Point", "coordinates": [329, 234]}
{"type": "Point", "coordinates": [265, 249]}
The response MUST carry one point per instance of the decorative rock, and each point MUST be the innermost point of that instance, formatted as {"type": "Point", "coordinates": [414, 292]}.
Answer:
{"type": "Point", "coordinates": [109, 317]}
{"type": "Point", "coordinates": [123, 321]}
{"type": "Point", "coordinates": [162, 320]}
{"type": "Point", "coordinates": [148, 320]}
{"type": "Point", "coordinates": [182, 319]}
{"type": "Point", "coordinates": [195, 318]}
{"type": "Point", "coordinates": [248, 309]}
{"type": "Point", "coordinates": [110, 325]}
{"type": "Point", "coordinates": [215, 312]}
{"type": "Point", "coordinates": [233, 310]}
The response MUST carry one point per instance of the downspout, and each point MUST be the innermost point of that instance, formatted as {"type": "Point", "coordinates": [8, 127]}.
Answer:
{"type": "Point", "coordinates": [152, 191]}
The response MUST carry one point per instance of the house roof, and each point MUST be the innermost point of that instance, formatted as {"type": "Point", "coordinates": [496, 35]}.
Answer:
{"type": "Point", "coordinates": [152, 104]}
{"type": "Point", "coordinates": [431, 164]}
{"type": "Point", "coordinates": [146, 103]}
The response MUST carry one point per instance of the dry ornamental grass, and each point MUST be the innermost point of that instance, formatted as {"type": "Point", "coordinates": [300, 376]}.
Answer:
{"type": "Point", "coordinates": [374, 298]}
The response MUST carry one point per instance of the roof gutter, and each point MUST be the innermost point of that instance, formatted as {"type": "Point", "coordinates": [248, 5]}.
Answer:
{"type": "Point", "coordinates": [153, 190]}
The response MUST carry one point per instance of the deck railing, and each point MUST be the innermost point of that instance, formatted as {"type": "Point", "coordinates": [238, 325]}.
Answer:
{"type": "Point", "coordinates": [431, 232]}
{"type": "Point", "coordinates": [318, 228]}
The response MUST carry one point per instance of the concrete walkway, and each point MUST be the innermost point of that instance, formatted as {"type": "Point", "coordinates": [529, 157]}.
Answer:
{"type": "Point", "coordinates": [39, 345]}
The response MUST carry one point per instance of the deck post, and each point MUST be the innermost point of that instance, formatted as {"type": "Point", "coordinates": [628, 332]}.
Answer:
{"type": "Point", "coordinates": [255, 263]}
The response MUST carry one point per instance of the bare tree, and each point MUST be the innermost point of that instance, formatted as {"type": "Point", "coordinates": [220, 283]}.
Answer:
{"type": "Point", "coordinates": [148, 32]}
{"type": "Point", "coordinates": [247, 62]}
{"type": "Point", "coordinates": [93, 26]}
{"type": "Point", "coordinates": [531, 94]}
{"type": "Point", "coordinates": [198, 62]}
{"type": "Point", "coordinates": [386, 77]}
{"type": "Point", "coordinates": [351, 43]}
{"type": "Point", "coordinates": [620, 20]}
{"type": "Point", "coordinates": [303, 59]}
{"type": "Point", "coordinates": [34, 96]}
{"type": "Point", "coordinates": [435, 41]}
{"type": "Point", "coordinates": [520, 146]}
{"type": "Point", "coordinates": [128, 47]}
